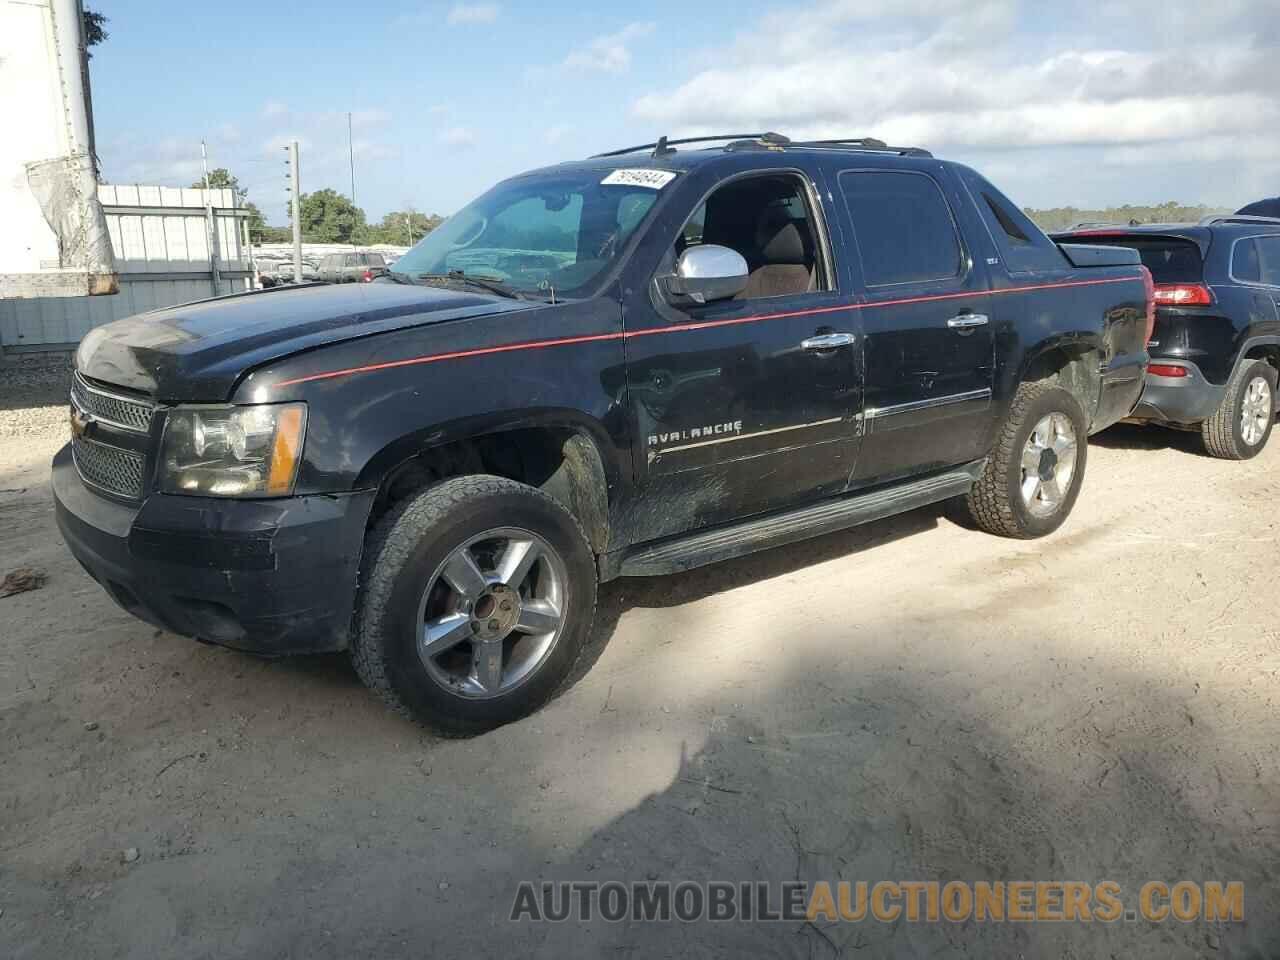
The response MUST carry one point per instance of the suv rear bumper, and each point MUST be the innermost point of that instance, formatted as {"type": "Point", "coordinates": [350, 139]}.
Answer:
{"type": "Point", "coordinates": [268, 576]}
{"type": "Point", "coordinates": [1183, 400]}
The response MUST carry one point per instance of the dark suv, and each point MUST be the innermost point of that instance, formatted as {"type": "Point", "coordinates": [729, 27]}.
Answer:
{"type": "Point", "coordinates": [1215, 352]}
{"type": "Point", "coordinates": [629, 365]}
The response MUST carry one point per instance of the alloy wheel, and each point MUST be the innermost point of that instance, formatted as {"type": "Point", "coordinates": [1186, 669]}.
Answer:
{"type": "Point", "coordinates": [492, 612]}
{"type": "Point", "coordinates": [1048, 464]}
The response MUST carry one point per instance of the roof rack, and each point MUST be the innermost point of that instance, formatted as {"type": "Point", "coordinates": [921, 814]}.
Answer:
{"type": "Point", "coordinates": [1236, 218]}
{"type": "Point", "coordinates": [665, 146]}
{"type": "Point", "coordinates": [866, 143]}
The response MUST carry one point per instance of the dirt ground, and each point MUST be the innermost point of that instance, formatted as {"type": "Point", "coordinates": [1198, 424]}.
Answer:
{"type": "Point", "coordinates": [906, 701]}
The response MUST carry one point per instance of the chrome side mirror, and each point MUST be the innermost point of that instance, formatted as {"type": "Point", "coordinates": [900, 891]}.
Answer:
{"type": "Point", "coordinates": [708, 272]}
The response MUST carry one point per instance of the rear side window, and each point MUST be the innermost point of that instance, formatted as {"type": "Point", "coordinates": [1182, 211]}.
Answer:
{"type": "Point", "coordinates": [1257, 260]}
{"type": "Point", "coordinates": [1023, 245]}
{"type": "Point", "coordinates": [903, 224]}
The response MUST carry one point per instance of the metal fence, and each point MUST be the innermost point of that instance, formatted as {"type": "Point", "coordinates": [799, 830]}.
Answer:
{"type": "Point", "coordinates": [160, 239]}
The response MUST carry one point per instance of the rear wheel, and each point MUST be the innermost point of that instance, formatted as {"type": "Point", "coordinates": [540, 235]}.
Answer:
{"type": "Point", "coordinates": [477, 599]}
{"type": "Point", "coordinates": [1241, 426]}
{"type": "Point", "coordinates": [1032, 477]}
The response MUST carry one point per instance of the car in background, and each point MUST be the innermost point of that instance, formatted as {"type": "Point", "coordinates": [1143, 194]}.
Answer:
{"type": "Point", "coordinates": [352, 267]}
{"type": "Point", "coordinates": [274, 273]}
{"type": "Point", "coordinates": [1215, 350]}
{"type": "Point", "coordinates": [1269, 207]}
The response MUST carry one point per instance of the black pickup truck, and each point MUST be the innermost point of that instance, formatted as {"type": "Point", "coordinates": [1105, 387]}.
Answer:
{"type": "Point", "coordinates": [630, 365]}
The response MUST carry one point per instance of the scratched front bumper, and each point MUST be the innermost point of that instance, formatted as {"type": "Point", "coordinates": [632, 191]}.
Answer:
{"type": "Point", "coordinates": [268, 576]}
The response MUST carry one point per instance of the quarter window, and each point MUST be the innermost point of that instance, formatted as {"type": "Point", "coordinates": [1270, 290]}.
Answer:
{"type": "Point", "coordinates": [1023, 245]}
{"type": "Point", "coordinates": [903, 225]}
{"type": "Point", "coordinates": [1246, 266]}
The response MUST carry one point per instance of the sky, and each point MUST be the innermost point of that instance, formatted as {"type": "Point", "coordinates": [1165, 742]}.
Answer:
{"type": "Point", "coordinates": [1075, 102]}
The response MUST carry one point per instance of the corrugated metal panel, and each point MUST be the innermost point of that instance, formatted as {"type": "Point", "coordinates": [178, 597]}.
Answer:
{"type": "Point", "coordinates": [166, 236]}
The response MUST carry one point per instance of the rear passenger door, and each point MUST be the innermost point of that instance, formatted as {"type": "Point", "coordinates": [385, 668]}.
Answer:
{"type": "Point", "coordinates": [929, 348]}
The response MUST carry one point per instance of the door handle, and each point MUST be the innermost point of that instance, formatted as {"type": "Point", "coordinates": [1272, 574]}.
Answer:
{"type": "Point", "coordinates": [828, 341]}
{"type": "Point", "coordinates": [966, 320]}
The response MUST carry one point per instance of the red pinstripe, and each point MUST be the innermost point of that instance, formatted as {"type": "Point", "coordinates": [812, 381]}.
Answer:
{"type": "Point", "coordinates": [686, 327]}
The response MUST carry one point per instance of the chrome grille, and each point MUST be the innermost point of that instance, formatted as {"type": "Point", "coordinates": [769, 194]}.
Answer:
{"type": "Point", "coordinates": [112, 408]}
{"type": "Point", "coordinates": [114, 470]}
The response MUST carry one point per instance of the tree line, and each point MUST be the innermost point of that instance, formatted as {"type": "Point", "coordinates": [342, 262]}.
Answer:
{"type": "Point", "coordinates": [1063, 218]}
{"type": "Point", "coordinates": [327, 217]}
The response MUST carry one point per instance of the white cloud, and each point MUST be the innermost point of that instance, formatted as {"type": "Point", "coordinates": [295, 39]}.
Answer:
{"type": "Point", "coordinates": [473, 13]}
{"type": "Point", "coordinates": [457, 137]}
{"type": "Point", "coordinates": [610, 53]}
{"type": "Point", "coordinates": [985, 75]}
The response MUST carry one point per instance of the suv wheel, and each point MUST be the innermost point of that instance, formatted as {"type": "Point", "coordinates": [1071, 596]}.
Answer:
{"type": "Point", "coordinates": [1033, 475]}
{"type": "Point", "coordinates": [477, 597]}
{"type": "Point", "coordinates": [1240, 427]}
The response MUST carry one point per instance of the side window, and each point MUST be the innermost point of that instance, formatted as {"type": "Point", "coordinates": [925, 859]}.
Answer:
{"type": "Point", "coordinates": [1245, 263]}
{"type": "Point", "coordinates": [1269, 259]}
{"type": "Point", "coordinates": [1023, 245]}
{"type": "Point", "coordinates": [766, 219]}
{"type": "Point", "coordinates": [903, 225]}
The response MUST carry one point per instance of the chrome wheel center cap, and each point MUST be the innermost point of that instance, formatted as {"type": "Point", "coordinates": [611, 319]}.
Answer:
{"type": "Point", "coordinates": [1048, 464]}
{"type": "Point", "coordinates": [495, 612]}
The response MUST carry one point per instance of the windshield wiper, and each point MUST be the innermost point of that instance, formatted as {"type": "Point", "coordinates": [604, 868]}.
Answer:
{"type": "Point", "coordinates": [493, 285]}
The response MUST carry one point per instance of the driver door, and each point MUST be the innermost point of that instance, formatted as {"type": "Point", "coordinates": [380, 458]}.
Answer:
{"type": "Point", "coordinates": [749, 404]}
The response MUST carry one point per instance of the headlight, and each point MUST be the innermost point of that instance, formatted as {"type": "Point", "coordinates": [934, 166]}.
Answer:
{"type": "Point", "coordinates": [248, 451]}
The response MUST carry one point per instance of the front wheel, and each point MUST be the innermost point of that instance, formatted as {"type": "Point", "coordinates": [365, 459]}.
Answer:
{"type": "Point", "coordinates": [476, 600]}
{"type": "Point", "coordinates": [1032, 478]}
{"type": "Point", "coordinates": [1240, 427]}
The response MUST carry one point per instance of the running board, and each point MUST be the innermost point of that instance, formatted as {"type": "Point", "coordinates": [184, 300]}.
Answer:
{"type": "Point", "coordinates": [761, 533]}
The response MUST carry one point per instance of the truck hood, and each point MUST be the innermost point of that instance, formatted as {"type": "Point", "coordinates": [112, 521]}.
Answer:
{"type": "Point", "coordinates": [196, 352]}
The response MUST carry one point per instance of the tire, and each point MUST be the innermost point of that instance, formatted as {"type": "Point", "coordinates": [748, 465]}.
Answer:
{"type": "Point", "coordinates": [996, 503]}
{"type": "Point", "coordinates": [406, 584]}
{"type": "Point", "coordinates": [1225, 435]}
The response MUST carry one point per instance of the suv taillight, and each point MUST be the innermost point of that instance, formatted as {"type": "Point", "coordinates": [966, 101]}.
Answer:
{"type": "Point", "coordinates": [368, 277]}
{"type": "Point", "coordinates": [1183, 295]}
{"type": "Point", "coordinates": [1149, 286]}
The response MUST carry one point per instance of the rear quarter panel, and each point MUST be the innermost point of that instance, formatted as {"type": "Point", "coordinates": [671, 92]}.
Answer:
{"type": "Point", "coordinates": [1099, 314]}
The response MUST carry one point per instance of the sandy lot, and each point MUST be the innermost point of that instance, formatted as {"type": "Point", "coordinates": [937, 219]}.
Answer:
{"type": "Point", "coordinates": [910, 700]}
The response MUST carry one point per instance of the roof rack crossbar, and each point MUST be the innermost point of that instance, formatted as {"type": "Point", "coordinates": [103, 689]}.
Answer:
{"type": "Point", "coordinates": [667, 142]}
{"type": "Point", "coordinates": [866, 143]}
{"type": "Point", "coordinates": [1236, 218]}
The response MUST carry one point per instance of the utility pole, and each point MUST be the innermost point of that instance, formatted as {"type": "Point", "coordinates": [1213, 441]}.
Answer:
{"type": "Point", "coordinates": [295, 197]}
{"type": "Point", "coordinates": [408, 226]}
{"type": "Point", "coordinates": [211, 226]}
{"type": "Point", "coordinates": [351, 159]}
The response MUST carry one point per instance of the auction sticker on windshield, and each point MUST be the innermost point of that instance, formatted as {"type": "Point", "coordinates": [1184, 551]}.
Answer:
{"type": "Point", "coordinates": [653, 179]}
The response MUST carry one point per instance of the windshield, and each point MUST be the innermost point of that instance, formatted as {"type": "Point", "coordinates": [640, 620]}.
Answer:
{"type": "Point", "coordinates": [555, 232]}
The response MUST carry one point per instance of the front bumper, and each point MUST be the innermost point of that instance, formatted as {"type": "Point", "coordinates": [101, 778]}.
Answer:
{"type": "Point", "coordinates": [1182, 400]}
{"type": "Point", "coordinates": [268, 576]}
